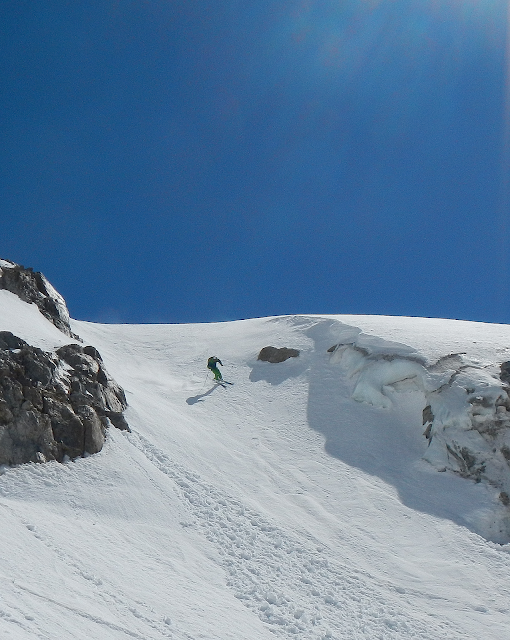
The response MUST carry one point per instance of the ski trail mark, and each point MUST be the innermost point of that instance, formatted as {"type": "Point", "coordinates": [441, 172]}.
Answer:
{"type": "Point", "coordinates": [118, 604]}
{"type": "Point", "coordinates": [287, 579]}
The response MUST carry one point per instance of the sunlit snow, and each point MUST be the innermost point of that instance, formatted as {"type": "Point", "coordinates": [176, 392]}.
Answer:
{"type": "Point", "coordinates": [296, 503]}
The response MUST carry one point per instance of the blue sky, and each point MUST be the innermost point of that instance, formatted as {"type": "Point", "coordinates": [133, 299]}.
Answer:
{"type": "Point", "coordinates": [193, 161]}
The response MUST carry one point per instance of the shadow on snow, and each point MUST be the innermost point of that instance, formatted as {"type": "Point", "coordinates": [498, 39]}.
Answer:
{"type": "Point", "coordinates": [201, 396]}
{"type": "Point", "coordinates": [387, 443]}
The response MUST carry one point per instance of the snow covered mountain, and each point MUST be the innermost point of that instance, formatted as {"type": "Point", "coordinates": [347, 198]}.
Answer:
{"type": "Point", "coordinates": [304, 501]}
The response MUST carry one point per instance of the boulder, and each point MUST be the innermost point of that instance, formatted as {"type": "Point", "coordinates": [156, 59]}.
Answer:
{"type": "Point", "coordinates": [275, 355]}
{"type": "Point", "coordinates": [505, 372]}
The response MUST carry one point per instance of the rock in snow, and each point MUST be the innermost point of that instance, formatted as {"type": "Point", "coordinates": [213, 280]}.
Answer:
{"type": "Point", "coordinates": [276, 355]}
{"type": "Point", "coordinates": [52, 404]}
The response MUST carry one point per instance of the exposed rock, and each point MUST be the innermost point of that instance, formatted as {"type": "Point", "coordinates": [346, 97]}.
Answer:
{"type": "Point", "coordinates": [274, 355]}
{"type": "Point", "coordinates": [505, 372]}
{"type": "Point", "coordinates": [428, 420]}
{"type": "Point", "coordinates": [51, 404]}
{"type": "Point", "coordinates": [90, 383]}
{"type": "Point", "coordinates": [32, 287]}
{"type": "Point", "coordinates": [94, 428]}
{"type": "Point", "coordinates": [428, 416]}
{"type": "Point", "coordinates": [54, 404]}
{"type": "Point", "coordinates": [9, 341]}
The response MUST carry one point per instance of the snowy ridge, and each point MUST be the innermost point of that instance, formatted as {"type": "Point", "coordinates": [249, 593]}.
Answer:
{"type": "Point", "coordinates": [33, 288]}
{"type": "Point", "coordinates": [58, 300]}
{"type": "Point", "coordinates": [25, 321]}
{"type": "Point", "coordinates": [7, 264]}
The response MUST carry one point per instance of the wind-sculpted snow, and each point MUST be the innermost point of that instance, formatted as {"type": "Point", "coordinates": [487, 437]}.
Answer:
{"type": "Point", "coordinates": [465, 415]}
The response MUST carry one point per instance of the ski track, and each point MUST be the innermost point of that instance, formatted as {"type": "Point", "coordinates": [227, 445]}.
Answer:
{"type": "Point", "coordinates": [118, 603]}
{"type": "Point", "coordinates": [288, 581]}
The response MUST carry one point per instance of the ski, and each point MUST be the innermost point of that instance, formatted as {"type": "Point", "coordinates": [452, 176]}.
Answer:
{"type": "Point", "coordinates": [223, 383]}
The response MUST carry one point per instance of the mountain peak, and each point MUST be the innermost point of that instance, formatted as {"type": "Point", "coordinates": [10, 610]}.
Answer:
{"type": "Point", "coordinates": [33, 287]}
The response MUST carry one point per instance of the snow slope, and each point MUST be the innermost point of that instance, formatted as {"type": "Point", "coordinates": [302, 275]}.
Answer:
{"type": "Point", "coordinates": [280, 506]}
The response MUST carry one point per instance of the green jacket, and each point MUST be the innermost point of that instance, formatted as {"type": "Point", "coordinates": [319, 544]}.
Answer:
{"type": "Point", "coordinates": [213, 361]}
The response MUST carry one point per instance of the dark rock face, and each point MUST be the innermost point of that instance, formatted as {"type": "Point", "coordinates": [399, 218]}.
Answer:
{"type": "Point", "coordinates": [54, 404]}
{"type": "Point", "coordinates": [51, 404]}
{"type": "Point", "coordinates": [274, 355]}
{"type": "Point", "coordinates": [505, 372]}
{"type": "Point", "coordinates": [31, 286]}
{"type": "Point", "coordinates": [10, 341]}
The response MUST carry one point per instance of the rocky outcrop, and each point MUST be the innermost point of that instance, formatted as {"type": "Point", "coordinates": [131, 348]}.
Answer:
{"type": "Point", "coordinates": [275, 355]}
{"type": "Point", "coordinates": [54, 405]}
{"type": "Point", "coordinates": [57, 404]}
{"type": "Point", "coordinates": [32, 287]}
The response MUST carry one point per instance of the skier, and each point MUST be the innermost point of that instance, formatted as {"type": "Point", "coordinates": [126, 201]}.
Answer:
{"type": "Point", "coordinates": [212, 364]}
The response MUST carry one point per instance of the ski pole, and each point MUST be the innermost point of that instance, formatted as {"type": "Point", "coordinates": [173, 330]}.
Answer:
{"type": "Point", "coordinates": [203, 385]}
